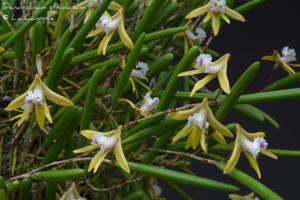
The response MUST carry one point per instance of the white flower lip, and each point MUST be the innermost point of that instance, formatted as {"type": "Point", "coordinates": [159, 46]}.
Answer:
{"type": "Point", "coordinates": [255, 146]}
{"type": "Point", "coordinates": [198, 119]}
{"type": "Point", "coordinates": [199, 37]}
{"type": "Point", "coordinates": [203, 60]}
{"type": "Point", "coordinates": [109, 24]}
{"type": "Point", "coordinates": [149, 103]}
{"type": "Point", "coordinates": [105, 142]}
{"type": "Point", "coordinates": [217, 6]}
{"type": "Point", "coordinates": [34, 96]}
{"type": "Point", "coordinates": [140, 70]}
{"type": "Point", "coordinates": [288, 55]}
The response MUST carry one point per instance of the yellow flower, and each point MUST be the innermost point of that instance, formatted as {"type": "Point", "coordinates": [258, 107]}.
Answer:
{"type": "Point", "coordinates": [218, 69]}
{"type": "Point", "coordinates": [35, 98]}
{"type": "Point", "coordinates": [216, 9]}
{"type": "Point", "coordinates": [137, 75]}
{"type": "Point", "coordinates": [250, 196]}
{"type": "Point", "coordinates": [198, 119]}
{"type": "Point", "coordinates": [110, 25]}
{"type": "Point", "coordinates": [71, 194]}
{"type": "Point", "coordinates": [287, 55]}
{"type": "Point", "coordinates": [147, 105]}
{"type": "Point", "coordinates": [251, 144]}
{"type": "Point", "coordinates": [105, 142]}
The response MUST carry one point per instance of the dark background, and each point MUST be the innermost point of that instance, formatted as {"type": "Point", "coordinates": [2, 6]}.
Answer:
{"type": "Point", "coordinates": [268, 27]}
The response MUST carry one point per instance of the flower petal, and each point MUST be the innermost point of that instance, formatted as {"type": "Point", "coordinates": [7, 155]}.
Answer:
{"type": "Point", "coordinates": [235, 155]}
{"type": "Point", "coordinates": [182, 133]}
{"type": "Point", "coordinates": [123, 35]}
{"type": "Point", "coordinates": [46, 112]}
{"type": "Point", "coordinates": [183, 115]}
{"type": "Point", "coordinates": [233, 14]}
{"type": "Point", "coordinates": [190, 73]}
{"type": "Point", "coordinates": [287, 68]}
{"type": "Point", "coordinates": [207, 17]}
{"type": "Point", "coordinates": [95, 32]}
{"type": "Point", "coordinates": [16, 103]}
{"type": "Point", "coordinates": [56, 98]}
{"type": "Point", "coordinates": [222, 76]}
{"type": "Point", "coordinates": [215, 23]}
{"type": "Point", "coordinates": [89, 134]}
{"type": "Point", "coordinates": [253, 163]}
{"type": "Point", "coordinates": [120, 157]}
{"type": "Point", "coordinates": [213, 122]}
{"type": "Point", "coordinates": [269, 58]}
{"type": "Point", "coordinates": [219, 137]}
{"type": "Point", "coordinates": [201, 83]}
{"type": "Point", "coordinates": [100, 159]}
{"type": "Point", "coordinates": [189, 141]}
{"type": "Point", "coordinates": [195, 137]}
{"type": "Point", "coordinates": [203, 142]}
{"type": "Point", "coordinates": [40, 115]}
{"type": "Point", "coordinates": [226, 19]}
{"type": "Point", "coordinates": [104, 42]}
{"type": "Point", "coordinates": [88, 148]}
{"type": "Point", "coordinates": [268, 153]}
{"type": "Point", "coordinates": [198, 11]}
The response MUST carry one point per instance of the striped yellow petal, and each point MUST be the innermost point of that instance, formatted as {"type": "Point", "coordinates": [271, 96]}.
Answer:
{"type": "Point", "coordinates": [201, 83]}
{"type": "Point", "coordinates": [104, 42]}
{"type": "Point", "coordinates": [124, 36]}
{"type": "Point", "coordinates": [203, 142]}
{"type": "Point", "coordinates": [268, 153]}
{"type": "Point", "coordinates": [120, 157]}
{"type": "Point", "coordinates": [235, 154]}
{"type": "Point", "coordinates": [198, 11]}
{"type": "Point", "coordinates": [182, 133]}
{"type": "Point", "coordinates": [95, 160]}
{"type": "Point", "coordinates": [132, 105]}
{"type": "Point", "coordinates": [189, 141]}
{"type": "Point", "coordinates": [222, 75]}
{"type": "Point", "coordinates": [219, 137]}
{"type": "Point", "coordinates": [207, 17]}
{"type": "Point", "coordinates": [16, 103]}
{"type": "Point", "coordinates": [234, 15]}
{"type": "Point", "coordinates": [47, 113]}
{"type": "Point", "coordinates": [226, 19]}
{"type": "Point", "coordinates": [215, 23]}
{"type": "Point", "coordinates": [56, 98]}
{"type": "Point", "coordinates": [95, 32]}
{"type": "Point", "coordinates": [287, 68]}
{"type": "Point", "coordinates": [195, 137]}
{"type": "Point", "coordinates": [269, 58]}
{"type": "Point", "coordinates": [191, 72]}
{"type": "Point", "coordinates": [89, 134]}
{"type": "Point", "coordinates": [100, 159]}
{"type": "Point", "coordinates": [183, 115]}
{"type": "Point", "coordinates": [213, 122]}
{"type": "Point", "coordinates": [251, 135]}
{"type": "Point", "coordinates": [40, 115]}
{"type": "Point", "coordinates": [88, 148]}
{"type": "Point", "coordinates": [253, 163]}
{"type": "Point", "coordinates": [294, 65]}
